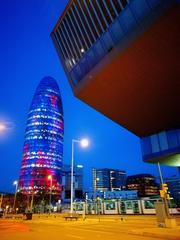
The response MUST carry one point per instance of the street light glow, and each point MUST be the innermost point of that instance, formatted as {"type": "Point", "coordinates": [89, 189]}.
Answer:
{"type": "Point", "coordinates": [2, 127]}
{"type": "Point", "coordinates": [49, 177]}
{"type": "Point", "coordinates": [15, 182]}
{"type": "Point", "coordinates": [84, 143]}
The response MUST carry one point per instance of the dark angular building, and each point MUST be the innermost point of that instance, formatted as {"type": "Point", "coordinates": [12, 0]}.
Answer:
{"type": "Point", "coordinates": [77, 179]}
{"type": "Point", "coordinates": [122, 58]}
{"type": "Point", "coordinates": [43, 145]}
{"type": "Point", "coordinates": [145, 184]}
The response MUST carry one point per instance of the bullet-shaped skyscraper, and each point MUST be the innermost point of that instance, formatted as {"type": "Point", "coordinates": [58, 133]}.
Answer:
{"type": "Point", "coordinates": [41, 165]}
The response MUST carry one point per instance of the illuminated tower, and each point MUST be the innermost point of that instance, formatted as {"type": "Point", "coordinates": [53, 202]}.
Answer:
{"type": "Point", "coordinates": [41, 166]}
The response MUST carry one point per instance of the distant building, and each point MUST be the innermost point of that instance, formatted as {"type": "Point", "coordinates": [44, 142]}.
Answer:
{"type": "Point", "coordinates": [43, 145]}
{"type": "Point", "coordinates": [145, 184]}
{"type": "Point", "coordinates": [105, 179]}
{"type": "Point", "coordinates": [7, 201]}
{"type": "Point", "coordinates": [78, 182]}
{"type": "Point", "coordinates": [127, 51]}
{"type": "Point", "coordinates": [174, 188]}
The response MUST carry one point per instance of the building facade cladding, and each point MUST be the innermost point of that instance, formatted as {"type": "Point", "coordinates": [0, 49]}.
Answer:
{"type": "Point", "coordinates": [145, 184]}
{"type": "Point", "coordinates": [105, 179]}
{"type": "Point", "coordinates": [89, 30]}
{"type": "Point", "coordinates": [43, 146]}
{"type": "Point", "coordinates": [92, 36]}
{"type": "Point", "coordinates": [163, 146]}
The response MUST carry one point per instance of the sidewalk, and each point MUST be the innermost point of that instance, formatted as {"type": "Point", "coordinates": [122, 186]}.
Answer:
{"type": "Point", "coordinates": [163, 233]}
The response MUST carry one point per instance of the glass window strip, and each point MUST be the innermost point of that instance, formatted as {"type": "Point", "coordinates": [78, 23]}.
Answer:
{"type": "Point", "coordinates": [66, 21]}
{"type": "Point", "coordinates": [112, 4]}
{"type": "Point", "coordinates": [66, 42]}
{"type": "Point", "coordinates": [102, 14]}
{"type": "Point", "coordinates": [124, 3]}
{"type": "Point", "coordinates": [70, 41]}
{"type": "Point", "coordinates": [75, 30]}
{"type": "Point", "coordinates": [62, 40]}
{"type": "Point", "coordinates": [86, 20]}
{"type": "Point", "coordinates": [59, 44]}
{"type": "Point", "coordinates": [82, 24]}
{"type": "Point", "coordinates": [107, 9]}
{"type": "Point", "coordinates": [79, 28]}
{"type": "Point", "coordinates": [119, 1]}
{"type": "Point", "coordinates": [65, 38]}
{"type": "Point", "coordinates": [96, 16]}
{"type": "Point", "coordinates": [91, 18]}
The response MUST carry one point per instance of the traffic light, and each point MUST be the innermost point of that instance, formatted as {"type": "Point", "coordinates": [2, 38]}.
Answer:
{"type": "Point", "coordinates": [162, 194]}
{"type": "Point", "coordinates": [164, 191]}
{"type": "Point", "coordinates": [165, 187]}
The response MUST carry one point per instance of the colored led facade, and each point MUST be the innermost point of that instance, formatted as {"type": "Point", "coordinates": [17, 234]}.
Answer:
{"type": "Point", "coordinates": [43, 146]}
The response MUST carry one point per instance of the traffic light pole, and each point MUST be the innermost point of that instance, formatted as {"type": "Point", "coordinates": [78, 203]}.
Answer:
{"type": "Point", "coordinates": [164, 197]}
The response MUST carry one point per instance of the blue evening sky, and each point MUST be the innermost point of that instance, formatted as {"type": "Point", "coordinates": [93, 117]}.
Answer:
{"type": "Point", "coordinates": [26, 56]}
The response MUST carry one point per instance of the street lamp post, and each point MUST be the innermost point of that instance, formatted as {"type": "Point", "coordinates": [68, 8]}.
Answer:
{"type": "Point", "coordinates": [1, 200]}
{"type": "Point", "coordinates": [16, 184]}
{"type": "Point", "coordinates": [32, 201]}
{"type": "Point", "coordinates": [50, 195]}
{"type": "Point", "coordinates": [83, 143]}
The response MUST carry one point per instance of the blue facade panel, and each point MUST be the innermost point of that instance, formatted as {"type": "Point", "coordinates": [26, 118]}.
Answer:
{"type": "Point", "coordinates": [140, 9]}
{"type": "Point", "coordinates": [127, 20]}
{"type": "Point", "coordinates": [159, 145]}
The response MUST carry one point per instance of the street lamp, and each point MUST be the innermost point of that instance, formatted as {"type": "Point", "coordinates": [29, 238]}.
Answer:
{"type": "Point", "coordinates": [83, 143]}
{"type": "Point", "coordinates": [16, 184]}
{"type": "Point", "coordinates": [50, 178]}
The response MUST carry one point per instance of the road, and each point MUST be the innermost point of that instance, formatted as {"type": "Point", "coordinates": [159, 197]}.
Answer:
{"type": "Point", "coordinates": [92, 229]}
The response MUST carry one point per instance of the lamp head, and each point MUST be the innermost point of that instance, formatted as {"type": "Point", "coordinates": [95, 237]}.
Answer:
{"type": "Point", "coordinates": [49, 177]}
{"type": "Point", "coordinates": [84, 143]}
{"type": "Point", "coordinates": [15, 182]}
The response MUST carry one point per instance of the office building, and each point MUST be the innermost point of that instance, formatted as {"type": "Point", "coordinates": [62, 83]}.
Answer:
{"type": "Point", "coordinates": [43, 145]}
{"type": "Point", "coordinates": [105, 179]}
{"type": "Point", "coordinates": [127, 51]}
{"type": "Point", "coordinates": [77, 181]}
{"type": "Point", "coordinates": [145, 184]}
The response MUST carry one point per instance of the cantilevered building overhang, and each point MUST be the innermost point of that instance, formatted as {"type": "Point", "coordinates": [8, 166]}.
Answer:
{"type": "Point", "coordinates": [122, 58]}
